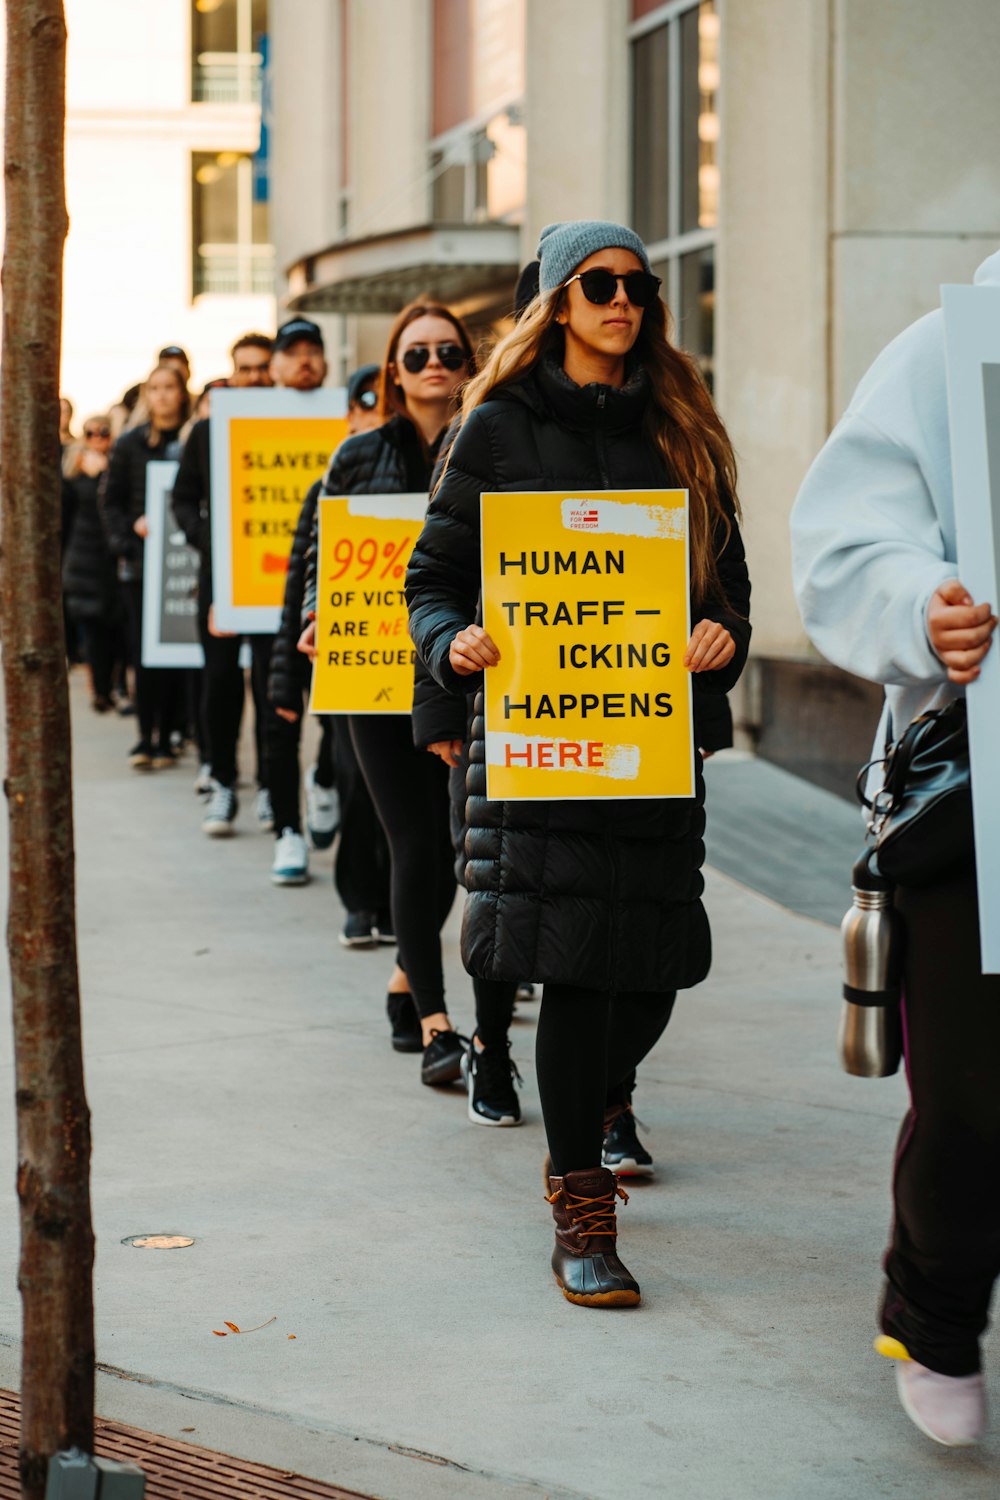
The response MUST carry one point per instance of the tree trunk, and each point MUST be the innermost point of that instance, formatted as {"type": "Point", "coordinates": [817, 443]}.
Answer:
{"type": "Point", "coordinates": [53, 1122]}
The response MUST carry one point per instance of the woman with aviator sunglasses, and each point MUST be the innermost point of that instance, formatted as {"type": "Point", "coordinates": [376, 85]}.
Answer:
{"type": "Point", "coordinates": [600, 901]}
{"type": "Point", "coordinates": [428, 357]}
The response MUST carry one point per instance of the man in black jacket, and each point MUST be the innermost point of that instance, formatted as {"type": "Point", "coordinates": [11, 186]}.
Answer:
{"type": "Point", "coordinates": [222, 681]}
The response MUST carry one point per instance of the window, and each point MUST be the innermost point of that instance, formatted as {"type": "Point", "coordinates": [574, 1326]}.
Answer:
{"type": "Point", "coordinates": [478, 150]}
{"type": "Point", "coordinates": [675, 171]}
{"type": "Point", "coordinates": [226, 51]}
{"type": "Point", "coordinates": [232, 256]}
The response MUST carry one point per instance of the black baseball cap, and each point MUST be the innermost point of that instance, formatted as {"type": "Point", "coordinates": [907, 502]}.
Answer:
{"type": "Point", "coordinates": [527, 288]}
{"type": "Point", "coordinates": [361, 377]}
{"type": "Point", "coordinates": [174, 351]}
{"type": "Point", "coordinates": [299, 330]}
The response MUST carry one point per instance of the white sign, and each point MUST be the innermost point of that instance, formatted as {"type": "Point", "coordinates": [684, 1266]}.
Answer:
{"type": "Point", "coordinates": [267, 449]}
{"type": "Point", "coordinates": [170, 580]}
{"type": "Point", "coordinates": [972, 343]}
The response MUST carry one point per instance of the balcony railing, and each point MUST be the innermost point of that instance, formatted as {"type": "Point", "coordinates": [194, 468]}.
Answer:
{"type": "Point", "coordinates": [227, 78]}
{"type": "Point", "coordinates": [234, 270]}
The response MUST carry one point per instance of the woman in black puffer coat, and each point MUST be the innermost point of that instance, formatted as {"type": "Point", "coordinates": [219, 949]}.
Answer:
{"type": "Point", "coordinates": [361, 868]}
{"type": "Point", "coordinates": [427, 359]}
{"type": "Point", "coordinates": [90, 585]}
{"type": "Point", "coordinates": [123, 512]}
{"type": "Point", "coordinates": [601, 901]}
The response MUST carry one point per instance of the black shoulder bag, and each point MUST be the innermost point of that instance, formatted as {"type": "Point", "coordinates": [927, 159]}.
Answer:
{"type": "Point", "coordinates": [920, 829]}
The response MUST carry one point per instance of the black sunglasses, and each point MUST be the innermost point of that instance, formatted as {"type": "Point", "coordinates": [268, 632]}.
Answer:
{"type": "Point", "coordinates": [97, 432]}
{"type": "Point", "coordinates": [452, 356]}
{"type": "Point", "coordinates": [599, 286]}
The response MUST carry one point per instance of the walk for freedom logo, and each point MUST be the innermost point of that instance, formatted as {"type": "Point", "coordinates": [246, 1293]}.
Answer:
{"type": "Point", "coordinates": [582, 516]}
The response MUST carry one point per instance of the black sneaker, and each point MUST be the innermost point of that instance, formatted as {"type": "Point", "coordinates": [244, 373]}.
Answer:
{"type": "Point", "coordinates": [525, 990]}
{"type": "Point", "coordinates": [489, 1076]}
{"type": "Point", "coordinates": [359, 930]}
{"type": "Point", "coordinates": [623, 1152]}
{"type": "Point", "coordinates": [406, 1033]}
{"type": "Point", "coordinates": [443, 1058]}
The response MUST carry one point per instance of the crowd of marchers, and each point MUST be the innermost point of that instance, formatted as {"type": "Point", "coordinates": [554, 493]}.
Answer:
{"type": "Point", "coordinates": [598, 903]}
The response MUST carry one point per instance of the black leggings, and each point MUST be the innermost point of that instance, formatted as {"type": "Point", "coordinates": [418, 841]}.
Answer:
{"type": "Point", "coordinates": [409, 788]}
{"type": "Point", "coordinates": [223, 690]}
{"type": "Point", "coordinates": [157, 689]}
{"type": "Point", "coordinates": [361, 866]}
{"type": "Point", "coordinates": [945, 1252]}
{"type": "Point", "coordinates": [98, 638]}
{"type": "Point", "coordinates": [588, 1045]}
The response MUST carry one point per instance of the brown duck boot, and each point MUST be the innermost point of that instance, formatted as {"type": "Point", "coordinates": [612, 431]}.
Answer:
{"type": "Point", "coordinates": [584, 1260]}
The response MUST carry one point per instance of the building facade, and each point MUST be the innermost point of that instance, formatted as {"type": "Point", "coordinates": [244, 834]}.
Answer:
{"type": "Point", "coordinates": [167, 189]}
{"type": "Point", "coordinates": [806, 173]}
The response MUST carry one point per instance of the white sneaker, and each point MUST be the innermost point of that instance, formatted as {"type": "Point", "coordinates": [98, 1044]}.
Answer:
{"type": "Point", "coordinates": [950, 1409]}
{"type": "Point", "coordinates": [265, 812]}
{"type": "Point", "coordinates": [322, 811]}
{"type": "Point", "coordinates": [291, 859]}
{"type": "Point", "coordinates": [203, 782]}
{"type": "Point", "coordinates": [220, 814]}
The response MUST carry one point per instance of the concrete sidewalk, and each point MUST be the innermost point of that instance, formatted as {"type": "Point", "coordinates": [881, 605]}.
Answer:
{"type": "Point", "coordinates": [244, 1093]}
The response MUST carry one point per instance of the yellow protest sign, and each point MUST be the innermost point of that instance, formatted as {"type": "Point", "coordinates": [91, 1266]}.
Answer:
{"type": "Point", "coordinates": [267, 448]}
{"type": "Point", "coordinates": [586, 597]}
{"type": "Point", "coordinates": [364, 657]}
{"type": "Point", "coordinates": [272, 463]}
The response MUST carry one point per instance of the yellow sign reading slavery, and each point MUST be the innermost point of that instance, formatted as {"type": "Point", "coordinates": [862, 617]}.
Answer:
{"type": "Point", "coordinates": [272, 463]}
{"type": "Point", "coordinates": [587, 600]}
{"type": "Point", "coordinates": [364, 656]}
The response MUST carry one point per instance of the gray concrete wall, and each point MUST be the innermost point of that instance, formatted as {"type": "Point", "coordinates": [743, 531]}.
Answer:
{"type": "Point", "coordinates": [773, 284]}
{"type": "Point", "coordinates": [306, 146]}
{"type": "Point", "coordinates": [577, 113]}
{"type": "Point", "coordinates": [859, 173]}
{"type": "Point", "coordinates": [916, 201]}
{"type": "Point", "coordinates": [389, 73]}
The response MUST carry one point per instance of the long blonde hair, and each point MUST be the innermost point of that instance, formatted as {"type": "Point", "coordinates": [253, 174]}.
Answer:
{"type": "Point", "coordinates": [681, 420]}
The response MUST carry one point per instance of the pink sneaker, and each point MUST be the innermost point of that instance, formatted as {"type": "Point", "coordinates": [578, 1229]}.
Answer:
{"type": "Point", "coordinates": [951, 1409]}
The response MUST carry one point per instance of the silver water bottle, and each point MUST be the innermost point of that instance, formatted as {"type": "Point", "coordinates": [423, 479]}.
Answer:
{"type": "Point", "coordinates": [871, 1033]}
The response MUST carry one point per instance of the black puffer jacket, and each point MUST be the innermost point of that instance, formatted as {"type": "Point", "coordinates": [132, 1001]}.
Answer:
{"type": "Point", "coordinates": [288, 674]}
{"type": "Point", "coordinates": [123, 493]}
{"type": "Point", "coordinates": [390, 461]}
{"type": "Point", "coordinates": [604, 895]}
{"type": "Point", "coordinates": [90, 587]}
{"type": "Point", "coordinates": [192, 502]}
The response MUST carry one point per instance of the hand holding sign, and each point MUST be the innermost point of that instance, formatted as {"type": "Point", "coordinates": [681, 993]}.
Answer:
{"type": "Point", "coordinates": [307, 640]}
{"type": "Point", "coordinates": [448, 750]}
{"type": "Point", "coordinates": [959, 631]}
{"type": "Point", "coordinates": [472, 651]}
{"type": "Point", "coordinates": [710, 648]}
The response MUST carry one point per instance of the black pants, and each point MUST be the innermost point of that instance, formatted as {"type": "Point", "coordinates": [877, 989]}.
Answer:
{"type": "Point", "coordinates": [409, 788]}
{"type": "Point", "coordinates": [588, 1045]}
{"type": "Point", "coordinates": [361, 868]}
{"type": "Point", "coordinates": [223, 690]}
{"type": "Point", "coordinates": [157, 689]}
{"type": "Point", "coordinates": [945, 1252]}
{"type": "Point", "coordinates": [326, 755]}
{"type": "Point", "coordinates": [99, 639]}
{"type": "Point", "coordinates": [193, 720]}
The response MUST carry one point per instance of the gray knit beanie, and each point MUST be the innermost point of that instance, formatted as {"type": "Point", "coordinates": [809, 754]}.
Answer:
{"type": "Point", "coordinates": [561, 248]}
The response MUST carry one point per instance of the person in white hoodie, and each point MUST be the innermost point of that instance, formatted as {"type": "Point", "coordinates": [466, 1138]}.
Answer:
{"type": "Point", "coordinates": [874, 558]}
